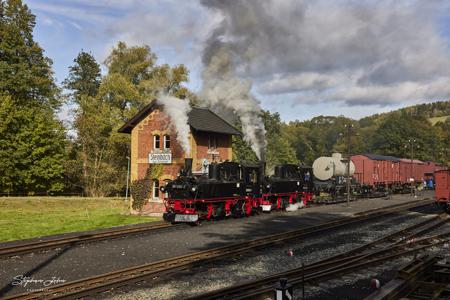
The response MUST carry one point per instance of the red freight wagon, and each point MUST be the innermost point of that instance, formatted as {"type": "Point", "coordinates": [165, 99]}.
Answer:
{"type": "Point", "coordinates": [430, 168]}
{"type": "Point", "coordinates": [442, 193]}
{"type": "Point", "coordinates": [377, 170]}
{"type": "Point", "coordinates": [420, 170]}
{"type": "Point", "coordinates": [364, 169]}
{"type": "Point", "coordinates": [415, 170]}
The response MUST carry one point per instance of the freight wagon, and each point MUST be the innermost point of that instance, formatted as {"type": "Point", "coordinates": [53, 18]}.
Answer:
{"type": "Point", "coordinates": [388, 173]}
{"type": "Point", "coordinates": [380, 172]}
{"type": "Point", "coordinates": [442, 192]}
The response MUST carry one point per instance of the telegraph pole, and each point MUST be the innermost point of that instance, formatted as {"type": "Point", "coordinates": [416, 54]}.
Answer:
{"type": "Point", "coordinates": [349, 128]}
{"type": "Point", "coordinates": [128, 178]}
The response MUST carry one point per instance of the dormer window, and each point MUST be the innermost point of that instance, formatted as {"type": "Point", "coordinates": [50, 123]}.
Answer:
{"type": "Point", "coordinates": [167, 142]}
{"type": "Point", "coordinates": [156, 141]}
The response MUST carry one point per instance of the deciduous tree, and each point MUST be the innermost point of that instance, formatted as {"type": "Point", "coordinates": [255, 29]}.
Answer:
{"type": "Point", "coordinates": [31, 137]}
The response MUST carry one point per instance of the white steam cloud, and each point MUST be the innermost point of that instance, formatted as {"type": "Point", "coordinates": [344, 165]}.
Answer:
{"type": "Point", "coordinates": [178, 110]}
{"type": "Point", "coordinates": [223, 91]}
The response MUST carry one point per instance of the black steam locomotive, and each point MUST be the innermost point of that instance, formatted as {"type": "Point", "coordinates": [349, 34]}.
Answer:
{"type": "Point", "coordinates": [235, 189]}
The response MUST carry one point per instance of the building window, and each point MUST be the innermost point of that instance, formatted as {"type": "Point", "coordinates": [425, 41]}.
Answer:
{"type": "Point", "coordinates": [155, 188]}
{"type": "Point", "coordinates": [156, 141]}
{"type": "Point", "coordinates": [212, 142]}
{"type": "Point", "coordinates": [166, 142]}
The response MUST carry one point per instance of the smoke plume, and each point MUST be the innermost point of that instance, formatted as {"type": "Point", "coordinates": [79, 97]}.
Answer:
{"type": "Point", "coordinates": [178, 110]}
{"type": "Point", "coordinates": [225, 92]}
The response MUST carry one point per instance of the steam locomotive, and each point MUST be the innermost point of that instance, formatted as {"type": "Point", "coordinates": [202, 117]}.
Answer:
{"type": "Point", "coordinates": [236, 189]}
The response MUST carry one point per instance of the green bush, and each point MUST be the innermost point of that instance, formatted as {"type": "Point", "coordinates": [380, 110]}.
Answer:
{"type": "Point", "coordinates": [141, 189]}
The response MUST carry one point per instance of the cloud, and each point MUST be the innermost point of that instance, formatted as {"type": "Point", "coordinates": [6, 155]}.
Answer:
{"type": "Point", "coordinates": [349, 53]}
{"type": "Point", "coordinates": [360, 53]}
{"type": "Point", "coordinates": [302, 82]}
{"type": "Point", "coordinates": [69, 11]}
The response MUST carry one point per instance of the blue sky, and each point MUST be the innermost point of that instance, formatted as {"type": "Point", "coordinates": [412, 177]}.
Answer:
{"type": "Point", "coordinates": [303, 58]}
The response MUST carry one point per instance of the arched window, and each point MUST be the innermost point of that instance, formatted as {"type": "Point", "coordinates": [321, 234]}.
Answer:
{"type": "Point", "coordinates": [155, 188]}
{"type": "Point", "coordinates": [156, 141]}
{"type": "Point", "coordinates": [167, 142]}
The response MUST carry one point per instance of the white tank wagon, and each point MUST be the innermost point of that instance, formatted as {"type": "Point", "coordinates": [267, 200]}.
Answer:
{"type": "Point", "coordinates": [325, 168]}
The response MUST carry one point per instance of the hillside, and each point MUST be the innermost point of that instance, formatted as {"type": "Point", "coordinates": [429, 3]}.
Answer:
{"type": "Point", "coordinates": [387, 133]}
{"type": "Point", "coordinates": [432, 111]}
{"type": "Point", "coordinates": [435, 120]}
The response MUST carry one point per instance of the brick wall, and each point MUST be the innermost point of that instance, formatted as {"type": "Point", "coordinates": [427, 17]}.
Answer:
{"type": "Point", "coordinates": [221, 152]}
{"type": "Point", "coordinates": [157, 122]}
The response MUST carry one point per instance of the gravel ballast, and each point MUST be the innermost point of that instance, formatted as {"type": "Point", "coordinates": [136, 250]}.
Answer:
{"type": "Point", "coordinates": [86, 260]}
{"type": "Point", "coordinates": [273, 260]}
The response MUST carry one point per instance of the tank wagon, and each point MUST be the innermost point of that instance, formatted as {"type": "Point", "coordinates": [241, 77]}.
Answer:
{"type": "Point", "coordinates": [235, 189]}
{"type": "Point", "coordinates": [330, 174]}
{"type": "Point", "coordinates": [442, 191]}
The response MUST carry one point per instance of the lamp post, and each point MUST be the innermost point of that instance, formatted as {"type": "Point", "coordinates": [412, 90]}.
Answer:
{"type": "Point", "coordinates": [128, 178]}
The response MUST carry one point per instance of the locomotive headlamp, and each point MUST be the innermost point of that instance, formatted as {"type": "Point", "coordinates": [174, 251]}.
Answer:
{"type": "Point", "coordinates": [194, 189]}
{"type": "Point", "coordinates": [162, 189]}
{"type": "Point", "coordinates": [268, 186]}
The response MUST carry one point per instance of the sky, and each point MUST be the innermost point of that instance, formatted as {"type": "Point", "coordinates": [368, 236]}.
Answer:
{"type": "Point", "coordinates": [300, 58]}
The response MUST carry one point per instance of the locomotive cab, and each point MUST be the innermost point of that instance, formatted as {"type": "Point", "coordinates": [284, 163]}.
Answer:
{"type": "Point", "coordinates": [308, 183]}
{"type": "Point", "coordinates": [251, 175]}
{"type": "Point", "coordinates": [287, 178]}
{"type": "Point", "coordinates": [281, 190]}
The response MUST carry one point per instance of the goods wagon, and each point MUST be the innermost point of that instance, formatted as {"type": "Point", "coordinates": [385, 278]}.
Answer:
{"type": "Point", "coordinates": [382, 172]}
{"type": "Point", "coordinates": [442, 192]}
{"type": "Point", "coordinates": [431, 167]}
{"type": "Point", "coordinates": [412, 171]}
{"type": "Point", "coordinates": [378, 171]}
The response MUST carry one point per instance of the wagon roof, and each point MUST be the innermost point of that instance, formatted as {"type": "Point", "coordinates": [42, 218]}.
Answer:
{"type": "Point", "coordinates": [416, 161]}
{"type": "Point", "coordinates": [381, 157]}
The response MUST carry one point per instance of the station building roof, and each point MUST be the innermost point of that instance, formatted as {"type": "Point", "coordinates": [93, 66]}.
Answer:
{"type": "Point", "coordinates": [201, 119]}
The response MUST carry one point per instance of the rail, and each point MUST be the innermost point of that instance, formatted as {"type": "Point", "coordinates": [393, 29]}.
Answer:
{"type": "Point", "coordinates": [89, 286]}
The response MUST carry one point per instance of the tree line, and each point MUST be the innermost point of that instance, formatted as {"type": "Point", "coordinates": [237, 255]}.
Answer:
{"type": "Point", "coordinates": [41, 155]}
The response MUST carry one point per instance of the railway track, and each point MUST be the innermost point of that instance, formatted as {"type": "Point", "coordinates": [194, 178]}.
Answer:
{"type": "Point", "coordinates": [14, 250]}
{"type": "Point", "coordinates": [386, 248]}
{"type": "Point", "coordinates": [422, 278]}
{"type": "Point", "coordinates": [95, 284]}
{"type": "Point", "coordinates": [53, 243]}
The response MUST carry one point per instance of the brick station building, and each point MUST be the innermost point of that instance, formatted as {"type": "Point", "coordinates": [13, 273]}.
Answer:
{"type": "Point", "coordinates": [154, 140]}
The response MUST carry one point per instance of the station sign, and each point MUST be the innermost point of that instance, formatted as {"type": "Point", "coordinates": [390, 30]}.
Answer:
{"type": "Point", "coordinates": [160, 158]}
{"type": "Point", "coordinates": [212, 151]}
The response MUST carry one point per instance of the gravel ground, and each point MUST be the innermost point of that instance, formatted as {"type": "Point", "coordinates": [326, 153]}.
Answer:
{"type": "Point", "coordinates": [86, 260]}
{"type": "Point", "coordinates": [356, 286]}
{"type": "Point", "coordinates": [269, 261]}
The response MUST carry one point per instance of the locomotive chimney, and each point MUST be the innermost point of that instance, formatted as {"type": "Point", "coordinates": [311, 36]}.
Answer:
{"type": "Point", "coordinates": [188, 166]}
{"type": "Point", "coordinates": [262, 171]}
{"type": "Point", "coordinates": [213, 171]}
